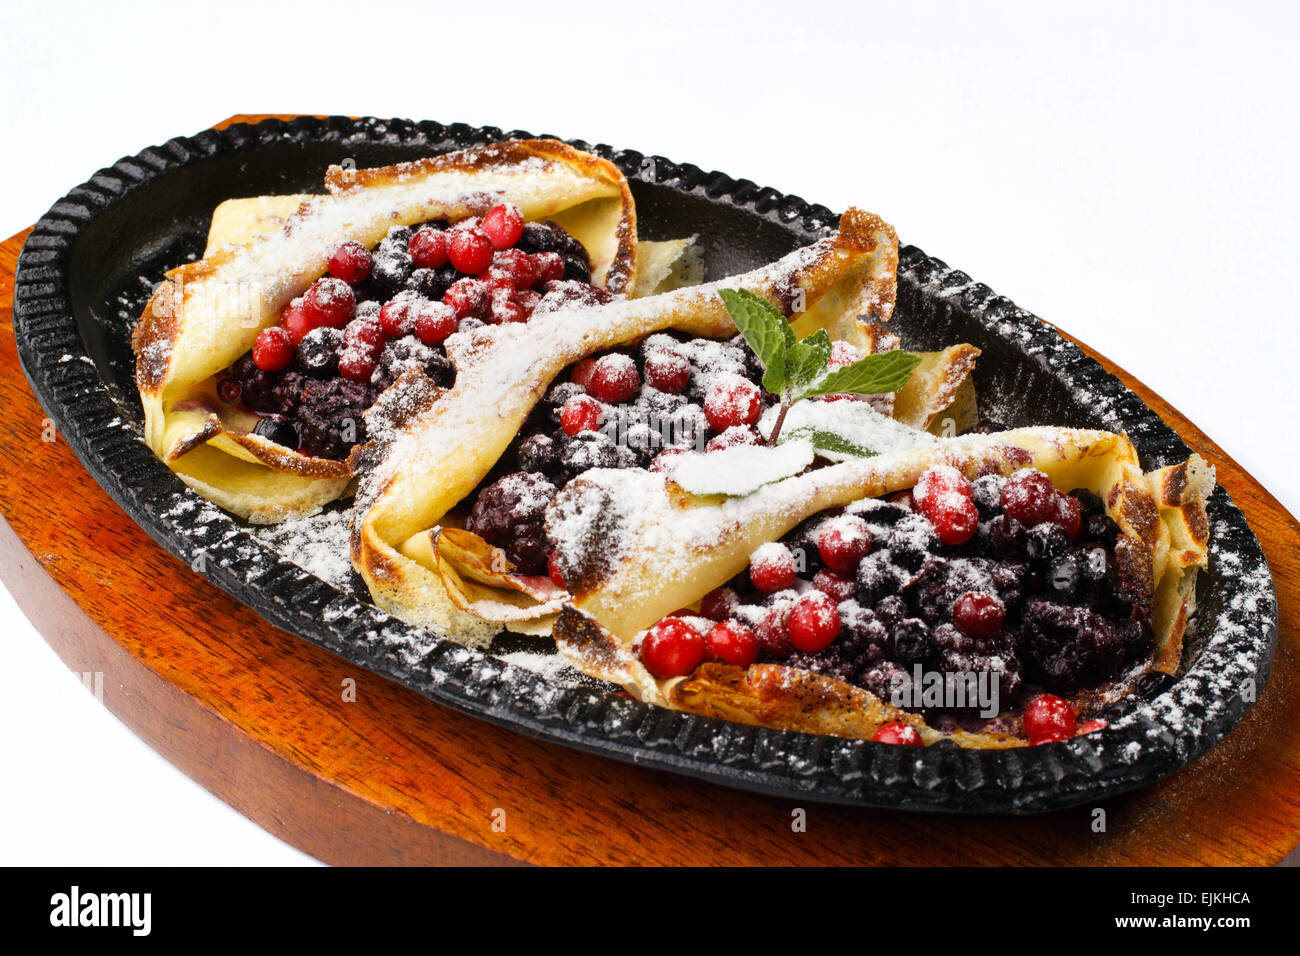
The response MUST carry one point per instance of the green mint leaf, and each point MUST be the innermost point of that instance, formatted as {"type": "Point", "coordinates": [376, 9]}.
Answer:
{"type": "Point", "coordinates": [766, 331]}
{"type": "Point", "coordinates": [873, 375]}
{"type": "Point", "coordinates": [828, 444]}
{"type": "Point", "coordinates": [805, 361]}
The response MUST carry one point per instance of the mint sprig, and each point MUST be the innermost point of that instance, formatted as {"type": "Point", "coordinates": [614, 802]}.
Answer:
{"type": "Point", "coordinates": [795, 370]}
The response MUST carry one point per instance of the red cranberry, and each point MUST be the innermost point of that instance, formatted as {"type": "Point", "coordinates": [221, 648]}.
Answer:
{"type": "Point", "coordinates": [470, 251]}
{"type": "Point", "coordinates": [428, 248]}
{"type": "Point", "coordinates": [329, 302]}
{"type": "Point", "coordinates": [527, 300]}
{"type": "Point", "coordinates": [365, 335]}
{"type": "Point", "coordinates": [467, 297]}
{"type": "Point", "coordinates": [903, 499]}
{"type": "Point", "coordinates": [397, 316]}
{"type": "Point", "coordinates": [772, 567]}
{"type": "Point", "coordinates": [1069, 515]}
{"type": "Point", "coordinates": [434, 322]}
{"type": "Point", "coordinates": [939, 484]}
{"type": "Point", "coordinates": [898, 733]}
{"type": "Point", "coordinates": [580, 414]}
{"type": "Point", "coordinates": [504, 308]}
{"type": "Point", "coordinates": [719, 604]}
{"type": "Point", "coordinates": [1030, 497]}
{"type": "Point", "coordinates": [356, 365]}
{"type": "Point", "coordinates": [732, 402]}
{"type": "Point", "coordinates": [672, 648]}
{"type": "Point", "coordinates": [843, 353]}
{"type": "Point", "coordinates": [1048, 719]}
{"type": "Point", "coordinates": [955, 520]}
{"type": "Point", "coordinates": [350, 262]}
{"type": "Point", "coordinates": [771, 633]}
{"type": "Point", "coordinates": [1092, 726]}
{"type": "Point", "coordinates": [553, 571]}
{"type": "Point", "coordinates": [731, 643]}
{"type": "Point", "coordinates": [667, 370]}
{"type": "Point", "coordinates": [979, 614]}
{"type": "Point", "coordinates": [813, 623]}
{"type": "Point", "coordinates": [296, 321]}
{"type": "Point", "coordinates": [504, 224]}
{"type": "Point", "coordinates": [549, 266]}
{"type": "Point", "coordinates": [837, 586]}
{"type": "Point", "coordinates": [273, 349]}
{"type": "Point", "coordinates": [843, 542]}
{"type": "Point", "coordinates": [518, 266]}
{"type": "Point", "coordinates": [614, 379]}
{"type": "Point", "coordinates": [580, 374]}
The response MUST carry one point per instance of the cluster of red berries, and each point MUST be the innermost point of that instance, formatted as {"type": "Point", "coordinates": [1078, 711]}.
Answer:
{"type": "Point", "coordinates": [947, 499]}
{"type": "Point", "coordinates": [497, 284]}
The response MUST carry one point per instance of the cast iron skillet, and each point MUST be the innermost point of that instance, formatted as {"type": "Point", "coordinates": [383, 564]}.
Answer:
{"type": "Point", "coordinates": [91, 261]}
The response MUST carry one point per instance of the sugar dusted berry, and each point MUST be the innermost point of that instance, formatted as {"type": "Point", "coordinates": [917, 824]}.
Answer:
{"type": "Point", "coordinates": [771, 633]}
{"type": "Point", "coordinates": [731, 643]}
{"type": "Point", "coordinates": [772, 567]}
{"type": "Point", "coordinates": [898, 732]}
{"type": "Point", "coordinates": [667, 370]}
{"type": "Point", "coordinates": [1029, 497]}
{"type": "Point", "coordinates": [979, 614]}
{"type": "Point", "coordinates": [672, 648]}
{"type": "Point", "coordinates": [350, 262]}
{"type": "Point", "coordinates": [614, 379]}
{"type": "Point", "coordinates": [467, 297]}
{"type": "Point", "coordinates": [503, 224]}
{"type": "Point", "coordinates": [329, 302]}
{"type": "Point", "coordinates": [955, 520]}
{"type": "Point", "coordinates": [580, 414]}
{"type": "Point", "coordinates": [553, 571]}
{"type": "Point", "coordinates": [295, 320]}
{"type": "Point", "coordinates": [719, 604]}
{"type": "Point", "coordinates": [548, 266]}
{"type": "Point", "coordinates": [843, 353]}
{"type": "Point", "coordinates": [843, 542]}
{"type": "Point", "coordinates": [428, 248]}
{"type": "Point", "coordinates": [518, 266]}
{"type": "Point", "coordinates": [397, 315]}
{"type": "Point", "coordinates": [434, 321]}
{"type": "Point", "coordinates": [813, 622]}
{"type": "Point", "coordinates": [1048, 719]}
{"type": "Point", "coordinates": [837, 586]}
{"type": "Point", "coordinates": [581, 372]}
{"type": "Point", "coordinates": [470, 250]}
{"type": "Point", "coordinates": [273, 349]}
{"type": "Point", "coordinates": [1069, 515]}
{"type": "Point", "coordinates": [732, 400]}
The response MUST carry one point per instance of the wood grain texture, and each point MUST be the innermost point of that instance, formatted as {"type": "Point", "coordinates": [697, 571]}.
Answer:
{"type": "Point", "coordinates": [256, 716]}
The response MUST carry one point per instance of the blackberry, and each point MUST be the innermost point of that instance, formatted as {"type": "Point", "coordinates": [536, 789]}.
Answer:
{"type": "Point", "coordinates": [539, 237]}
{"type": "Point", "coordinates": [540, 453]}
{"type": "Point", "coordinates": [1137, 637]}
{"type": "Point", "coordinates": [576, 270]}
{"type": "Point", "coordinates": [877, 577]}
{"type": "Point", "coordinates": [288, 391]}
{"type": "Point", "coordinates": [910, 642]}
{"type": "Point", "coordinates": [863, 640]}
{"type": "Point", "coordinates": [593, 450]}
{"type": "Point", "coordinates": [432, 283]}
{"type": "Point", "coordinates": [829, 662]}
{"type": "Point", "coordinates": [330, 416]}
{"type": "Point", "coordinates": [390, 272]}
{"type": "Point", "coordinates": [508, 514]}
{"type": "Point", "coordinates": [318, 352]}
{"type": "Point", "coordinates": [1070, 646]}
{"type": "Point", "coordinates": [885, 680]}
{"type": "Point", "coordinates": [565, 292]}
{"type": "Point", "coordinates": [910, 540]}
{"type": "Point", "coordinates": [409, 352]}
{"type": "Point", "coordinates": [256, 387]}
{"type": "Point", "coordinates": [278, 429]}
{"type": "Point", "coordinates": [1064, 578]}
{"type": "Point", "coordinates": [891, 610]}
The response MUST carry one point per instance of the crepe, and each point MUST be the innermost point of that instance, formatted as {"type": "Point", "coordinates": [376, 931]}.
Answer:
{"type": "Point", "coordinates": [435, 446]}
{"type": "Point", "coordinates": [263, 255]}
{"type": "Point", "coordinates": [634, 549]}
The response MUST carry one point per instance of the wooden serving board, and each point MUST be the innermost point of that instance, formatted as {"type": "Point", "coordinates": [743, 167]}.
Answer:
{"type": "Point", "coordinates": [257, 716]}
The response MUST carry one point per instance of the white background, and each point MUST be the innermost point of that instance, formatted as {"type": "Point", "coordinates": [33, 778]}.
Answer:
{"type": "Point", "coordinates": [1125, 171]}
